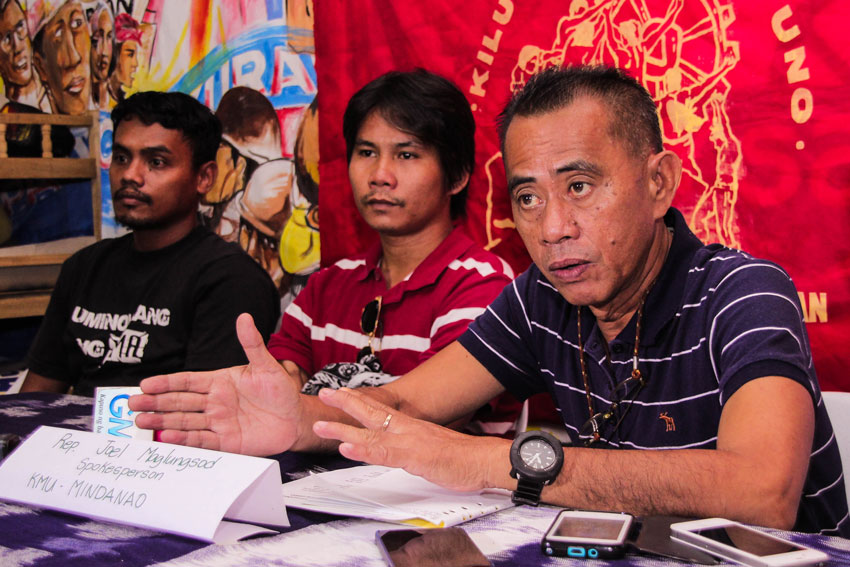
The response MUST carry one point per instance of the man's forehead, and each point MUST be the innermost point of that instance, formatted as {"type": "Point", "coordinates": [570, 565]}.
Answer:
{"type": "Point", "coordinates": [155, 136]}
{"type": "Point", "coordinates": [48, 12]}
{"type": "Point", "coordinates": [377, 120]}
{"type": "Point", "coordinates": [11, 12]}
{"type": "Point", "coordinates": [582, 114]}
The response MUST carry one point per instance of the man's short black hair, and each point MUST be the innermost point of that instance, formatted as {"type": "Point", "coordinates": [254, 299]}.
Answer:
{"type": "Point", "coordinates": [424, 105]}
{"type": "Point", "coordinates": [175, 111]}
{"type": "Point", "coordinates": [634, 115]}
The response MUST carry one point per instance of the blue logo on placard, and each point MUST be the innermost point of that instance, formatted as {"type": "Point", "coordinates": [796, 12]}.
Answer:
{"type": "Point", "coordinates": [117, 413]}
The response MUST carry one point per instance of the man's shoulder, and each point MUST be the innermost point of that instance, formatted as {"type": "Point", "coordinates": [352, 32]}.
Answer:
{"type": "Point", "coordinates": [205, 247]}
{"type": "Point", "coordinates": [715, 264]}
{"type": "Point", "coordinates": [340, 273]}
{"type": "Point", "coordinates": [477, 256]}
{"type": "Point", "coordinates": [211, 245]}
{"type": "Point", "coordinates": [99, 250]}
{"type": "Point", "coordinates": [211, 254]}
{"type": "Point", "coordinates": [464, 255]}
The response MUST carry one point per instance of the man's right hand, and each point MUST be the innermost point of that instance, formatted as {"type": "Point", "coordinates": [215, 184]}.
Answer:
{"type": "Point", "coordinates": [252, 410]}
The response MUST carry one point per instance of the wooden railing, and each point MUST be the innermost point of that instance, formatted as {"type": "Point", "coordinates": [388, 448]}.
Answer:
{"type": "Point", "coordinates": [48, 256]}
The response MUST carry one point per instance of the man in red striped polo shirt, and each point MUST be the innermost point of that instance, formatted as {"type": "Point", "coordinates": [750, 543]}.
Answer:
{"type": "Point", "coordinates": [368, 319]}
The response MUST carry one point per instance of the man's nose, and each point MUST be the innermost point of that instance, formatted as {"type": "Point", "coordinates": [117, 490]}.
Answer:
{"type": "Point", "coordinates": [19, 43]}
{"type": "Point", "coordinates": [68, 56]}
{"type": "Point", "coordinates": [558, 222]}
{"type": "Point", "coordinates": [383, 173]}
{"type": "Point", "coordinates": [133, 173]}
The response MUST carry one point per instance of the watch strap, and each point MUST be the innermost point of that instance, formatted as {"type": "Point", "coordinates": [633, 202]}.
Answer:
{"type": "Point", "coordinates": [527, 492]}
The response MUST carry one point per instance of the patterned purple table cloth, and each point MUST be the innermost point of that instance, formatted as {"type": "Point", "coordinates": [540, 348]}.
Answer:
{"type": "Point", "coordinates": [41, 538]}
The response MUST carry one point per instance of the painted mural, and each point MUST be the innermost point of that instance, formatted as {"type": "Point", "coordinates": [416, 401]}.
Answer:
{"type": "Point", "coordinates": [251, 61]}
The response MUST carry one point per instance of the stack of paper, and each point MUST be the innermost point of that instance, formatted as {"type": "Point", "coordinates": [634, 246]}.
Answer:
{"type": "Point", "coordinates": [390, 495]}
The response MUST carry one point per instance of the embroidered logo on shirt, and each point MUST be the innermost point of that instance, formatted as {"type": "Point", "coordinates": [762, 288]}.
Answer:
{"type": "Point", "coordinates": [668, 421]}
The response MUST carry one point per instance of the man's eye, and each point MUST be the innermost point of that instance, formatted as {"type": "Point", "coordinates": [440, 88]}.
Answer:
{"type": "Point", "coordinates": [406, 155]}
{"type": "Point", "coordinates": [365, 153]}
{"type": "Point", "coordinates": [157, 162]}
{"type": "Point", "coordinates": [527, 200]}
{"type": "Point", "coordinates": [76, 23]}
{"type": "Point", "coordinates": [579, 188]}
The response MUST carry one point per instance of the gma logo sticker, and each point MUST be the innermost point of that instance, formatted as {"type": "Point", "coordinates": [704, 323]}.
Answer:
{"type": "Point", "coordinates": [113, 417]}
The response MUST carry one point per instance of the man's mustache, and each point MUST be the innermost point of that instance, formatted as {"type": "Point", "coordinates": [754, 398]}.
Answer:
{"type": "Point", "coordinates": [127, 192]}
{"type": "Point", "coordinates": [372, 197]}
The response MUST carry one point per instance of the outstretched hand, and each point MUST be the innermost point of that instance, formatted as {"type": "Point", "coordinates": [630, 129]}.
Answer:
{"type": "Point", "coordinates": [253, 409]}
{"type": "Point", "coordinates": [441, 455]}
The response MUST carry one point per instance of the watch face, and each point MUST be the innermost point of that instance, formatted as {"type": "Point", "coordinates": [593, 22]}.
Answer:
{"type": "Point", "coordinates": [537, 454]}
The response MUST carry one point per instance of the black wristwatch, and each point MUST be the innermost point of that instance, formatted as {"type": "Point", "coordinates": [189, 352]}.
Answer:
{"type": "Point", "coordinates": [536, 460]}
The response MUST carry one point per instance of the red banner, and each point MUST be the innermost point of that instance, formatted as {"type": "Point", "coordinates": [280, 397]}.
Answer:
{"type": "Point", "coordinates": [753, 96]}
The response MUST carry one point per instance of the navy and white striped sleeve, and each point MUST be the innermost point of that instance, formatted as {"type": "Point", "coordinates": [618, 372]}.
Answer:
{"type": "Point", "coordinates": [757, 328]}
{"type": "Point", "coordinates": [501, 339]}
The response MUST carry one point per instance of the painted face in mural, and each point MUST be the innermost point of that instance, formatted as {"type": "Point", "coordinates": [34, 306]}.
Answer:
{"type": "Point", "coordinates": [128, 62]}
{"type": "Point", "coordinates": [63, 61]}
{"type": "Point", "coordinates": [231, 174]}
{"type": "Point", "coordinates": [15, 47]}
{"type": "Point", "coordinates": [154, 185]}
{"type": "Point", "coordinates": [102, 44]}
{"type": "Point", "coordinates": [397, 181]}
{"type": "Point", "coordinates": [583, 203]}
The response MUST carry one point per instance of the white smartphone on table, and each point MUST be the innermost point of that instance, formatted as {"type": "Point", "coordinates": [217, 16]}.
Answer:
{"type": "Point", "coordinates": [742, 544]}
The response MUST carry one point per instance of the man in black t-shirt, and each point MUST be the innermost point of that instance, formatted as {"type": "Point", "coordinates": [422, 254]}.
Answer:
{"type": "Point", "coordinates": [165, 297]}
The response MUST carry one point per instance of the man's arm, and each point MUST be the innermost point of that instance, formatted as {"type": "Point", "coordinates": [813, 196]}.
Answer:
{"type": "Point", "coordinates": [47, 355]}
{"type": "Point", "coordinates": [37, 383]}
{"type": "Point", "coordinates": [755, 475]}
{"type": "Point", "coordinates": [258, 410]}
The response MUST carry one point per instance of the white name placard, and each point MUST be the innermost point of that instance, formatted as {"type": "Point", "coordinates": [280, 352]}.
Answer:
{"type": "Point", "coordinates": [170, 488]}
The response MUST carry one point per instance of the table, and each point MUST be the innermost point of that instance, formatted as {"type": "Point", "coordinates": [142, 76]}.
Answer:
{"type": "Point", "coordinates": [42, 538]}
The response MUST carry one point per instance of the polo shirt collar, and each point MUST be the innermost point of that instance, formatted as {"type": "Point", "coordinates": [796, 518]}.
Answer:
{"type": "Point", "coordinates": [665, 297]}
{"type": "Point", "coordinates": [428, 271]}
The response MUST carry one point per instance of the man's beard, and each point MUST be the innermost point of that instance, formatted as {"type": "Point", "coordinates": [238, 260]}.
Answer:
{"type": "Point", "coordinates": [136, 224]}
{"type": "Point", "coordinates": [149, 223]}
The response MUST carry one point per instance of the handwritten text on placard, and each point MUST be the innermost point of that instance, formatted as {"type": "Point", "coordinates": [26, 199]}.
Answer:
{"type": "Point", "coordinates": [165, 487]}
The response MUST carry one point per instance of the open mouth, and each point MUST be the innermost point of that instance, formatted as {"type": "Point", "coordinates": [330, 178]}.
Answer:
{"type": "Point", "coordinates": [570, 269]}
{"type": "Point", "coordinates": [75, 86]}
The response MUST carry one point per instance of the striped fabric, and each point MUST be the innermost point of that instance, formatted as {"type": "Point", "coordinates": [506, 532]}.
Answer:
{"type": "Point", "coordinates": [715, 319]}
{"type": "Point", "coordinates": [419, 316]}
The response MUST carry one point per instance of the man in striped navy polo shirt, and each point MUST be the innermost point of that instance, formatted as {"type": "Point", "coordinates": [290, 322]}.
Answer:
{"type": "Point", "coordinates": [691, 361]}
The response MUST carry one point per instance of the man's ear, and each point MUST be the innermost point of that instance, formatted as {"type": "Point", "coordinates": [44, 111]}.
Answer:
{"type": "Point", "coordinates": [206, 177]}
{"type": "Point", "coordinates": [241, 166]}
{"type": "Point", "coordinates": [664, 171]}
{"type": "Point", "coordinates": [461, 183]}
{"type": "Point", "coordinates": [38, 64]}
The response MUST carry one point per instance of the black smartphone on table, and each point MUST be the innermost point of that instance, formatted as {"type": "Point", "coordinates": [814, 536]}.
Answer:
{"type": "Point", "coordinates": [436, 547]}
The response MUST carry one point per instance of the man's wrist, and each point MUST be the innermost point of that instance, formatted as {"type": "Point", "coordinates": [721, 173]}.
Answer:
{"type": "Point", "coordinates": [498, 459]}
